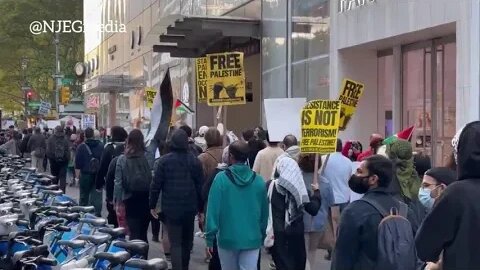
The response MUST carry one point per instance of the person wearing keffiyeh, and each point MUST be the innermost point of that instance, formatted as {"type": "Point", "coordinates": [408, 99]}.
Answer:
{"type": "Point", "coordinates": [288, 200]}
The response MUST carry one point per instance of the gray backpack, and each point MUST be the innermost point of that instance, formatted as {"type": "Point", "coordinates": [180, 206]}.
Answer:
{"type": "Point", "coordinates": [396, 242]}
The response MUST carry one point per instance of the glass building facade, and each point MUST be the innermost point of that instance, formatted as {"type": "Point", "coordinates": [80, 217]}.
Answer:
{"type": "Point", "coordinates": [295, 48]}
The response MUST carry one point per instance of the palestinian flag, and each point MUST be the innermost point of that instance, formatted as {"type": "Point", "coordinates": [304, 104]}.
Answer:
{"type": "Point", "coordinates": [405, 134]}
{"type": "Point", "coordinates": [181, 108]}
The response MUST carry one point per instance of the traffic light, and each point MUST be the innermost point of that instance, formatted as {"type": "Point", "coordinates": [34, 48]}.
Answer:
{"type": "Point", "coordinates": [29, 96]}
{"type": "Point", "coordinates": [65, 95]}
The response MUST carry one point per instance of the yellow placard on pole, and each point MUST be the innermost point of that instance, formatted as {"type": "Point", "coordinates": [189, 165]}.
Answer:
{"type": "Point", "coordinates": [350, 94]}
{"type": "Point", "coordinates": [320, 120]}
{"type": "Point", "coordinates": [201, 75]}
{"type": "Point", "coordinates": [150, 94]}
{"type": "Point", "coordinates": [226, 79]}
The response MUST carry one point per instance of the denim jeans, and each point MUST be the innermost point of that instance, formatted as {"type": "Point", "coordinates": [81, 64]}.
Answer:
{"type": "Point", "coordinates": [239, 259]}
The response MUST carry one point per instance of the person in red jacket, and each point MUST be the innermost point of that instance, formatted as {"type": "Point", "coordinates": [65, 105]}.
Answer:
{"type": "Point", "coordinates": [375, 142]}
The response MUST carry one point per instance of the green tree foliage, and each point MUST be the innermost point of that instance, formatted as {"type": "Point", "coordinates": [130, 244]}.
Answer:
{"type": "Point", "coordinates": [16, 42]}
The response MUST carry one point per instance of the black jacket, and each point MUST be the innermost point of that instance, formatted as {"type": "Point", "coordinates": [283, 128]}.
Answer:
{"type": "Point", "coordinates": [356, 247]}
{"type": "Point", "coordinates": [453, 224]}
{"type": "Point", "coordinates": [111, 150]}
{"type": "Point", "coordinates": [278, 212]}
{"type": "Point", "coordinates": [24, 144]}
{"type": "Point", "coordinates": [179, 177]}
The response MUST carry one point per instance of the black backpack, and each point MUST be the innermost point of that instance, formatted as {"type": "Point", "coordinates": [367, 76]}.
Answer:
{"type": "Point", "coordinates": [138, 175]}
{"type": "Point", "coordinates": [94, 163]}
{"type": "Point", "coordinates": [396, 242]}
{"type": "Point", "coordinates": [59, 150]}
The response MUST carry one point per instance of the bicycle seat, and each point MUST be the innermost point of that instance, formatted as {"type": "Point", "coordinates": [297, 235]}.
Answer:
{"type": "Point", "coordinates": [70, 216]}
{"type": "Point", "coordinates": [153, 264]}
{"type": "Point", "coordinates": [59, 209]}
{"type": "Point", "coordinates": [96, 222]}
{"type": "Point", "coordinates": [44, 181]}
{"type": "Point", "coordinates": [48, 176]}
{"type": "Point", "coordinates": [82, 209]}
{"type": "Point", "coordinates": [64, 203]}
{"type": "Point", "coordinates": [8, 220]}
{"type": "Point", "coordinates": [115, 259]}
{"type": "Point", "coordinates": [39, 260]}
{"type": "Point", "coordinates": [113, 232]}
{"type": "Point", "coordinates": [134, 247]}
{"type": "Point", "coordinates": [96, 239]}
{"type": "Point", "coordinates": [23, 222]}
{"type": "Point", "coordinates": [30, 182]}
{"type": "Point", "coordinates": [49, 187]}
{"type": "Point", "coordinates": [33, 251]}
{"type": "Point", "coordinates": [53, 192]}
{"type": "Point", "coordinates": [72, 243]}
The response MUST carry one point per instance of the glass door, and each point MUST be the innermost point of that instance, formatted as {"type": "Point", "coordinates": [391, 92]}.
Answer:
{"type": "Point", "coordinates": [428, 103]}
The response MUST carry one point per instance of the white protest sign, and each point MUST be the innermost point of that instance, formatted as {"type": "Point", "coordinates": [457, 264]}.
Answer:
{"type": "Point", "coordinates": [283, 117]}
{"type": "Point", "coordinates": [53, 123]}
{"type": "Point", "coordinates": [88, 121]}
{"type": "Point", "coordinates": [44, 108]}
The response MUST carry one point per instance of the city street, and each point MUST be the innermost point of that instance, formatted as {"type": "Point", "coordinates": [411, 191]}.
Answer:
{"type": "Point", "coordinates": [198, 255]}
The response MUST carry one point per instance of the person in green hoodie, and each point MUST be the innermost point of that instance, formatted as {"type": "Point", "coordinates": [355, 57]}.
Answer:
{"type": "Point", "coordinates": [237, 212]}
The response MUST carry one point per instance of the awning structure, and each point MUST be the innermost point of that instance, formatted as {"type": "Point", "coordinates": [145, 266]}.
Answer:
{"type": "Point", "coordinates": [191, 36]}
{"type": "Point", "coordinates": [113, 83]}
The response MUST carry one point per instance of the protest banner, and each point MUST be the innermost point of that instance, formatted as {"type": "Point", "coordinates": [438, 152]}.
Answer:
{"type": "Point", "coordinates": [201, 75]}
{"type": "Point", "coordinates": [88, 121]}
{"type": "Point", "coordinates": [225, 79]}
{"type": "Point", "coordinates": [44, 108]}
{"type": "Point", "coordinates": [350, 94]}
{"type": "Point", "coordinates": [320, 120]}
{"type": "Point", "coordinates": [282, 117]}
{"type": "Point", "coordinates": [150, 94]}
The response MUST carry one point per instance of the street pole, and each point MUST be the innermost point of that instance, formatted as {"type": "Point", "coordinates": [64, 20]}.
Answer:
{"type": "Point", "coordinates": [57, 73]}
{"type": "Point", "coordinates": [24, 85]}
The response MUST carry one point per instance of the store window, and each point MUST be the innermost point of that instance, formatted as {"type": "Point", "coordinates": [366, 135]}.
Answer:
{"type": "Point", "coordinates": [429, 95]}
{"type": "Point", "coordinates": [385, 90]}
{"type": "Point", "coordinates": [310, 47]}
{"type": "Point", "coordinates": [274, 49]}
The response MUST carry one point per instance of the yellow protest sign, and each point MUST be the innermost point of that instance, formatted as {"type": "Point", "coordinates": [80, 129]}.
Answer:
{"type": "Point", "coordinates": [320, 120]}
{"type": "Point", "coordinates": [201, 75]}
{"type": "Point", "coordinates": [226, 79]}
{"type": "Point", "coordinates": [150, 94]}
{"type": "Point", "coordinates": [350, 94]}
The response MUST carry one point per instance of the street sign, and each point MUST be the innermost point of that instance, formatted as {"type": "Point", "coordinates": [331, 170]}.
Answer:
{"type": "Point", "coordinates": [44, 108]}
{"type": "Point", "coordinates": [67, 81]}
{"type": "Point", "coordinates": [26, 88]}
{"type": "Point", "coordinates": [34, 104]}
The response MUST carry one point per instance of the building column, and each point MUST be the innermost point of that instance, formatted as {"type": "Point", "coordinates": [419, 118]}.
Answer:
{"type": "Point", "coordinates": [112, 112]}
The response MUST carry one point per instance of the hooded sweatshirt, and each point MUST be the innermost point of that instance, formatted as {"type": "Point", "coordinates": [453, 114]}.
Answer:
{"type": "Point", "coordinates": [237, 210]}
{"type": "Point", "coordinates": [452, 225]}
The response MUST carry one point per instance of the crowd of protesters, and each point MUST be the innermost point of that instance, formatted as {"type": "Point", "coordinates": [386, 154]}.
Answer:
{"type": "Point", "coordinates": [253, 192]}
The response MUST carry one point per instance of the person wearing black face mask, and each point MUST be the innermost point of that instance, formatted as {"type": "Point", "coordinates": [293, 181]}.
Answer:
{"type": "Point", "coordinates": [356, 246]}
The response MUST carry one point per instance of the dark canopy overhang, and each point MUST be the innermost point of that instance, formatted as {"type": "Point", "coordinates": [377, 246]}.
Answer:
{"type": "Point", "coordinates": [191, 37]}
